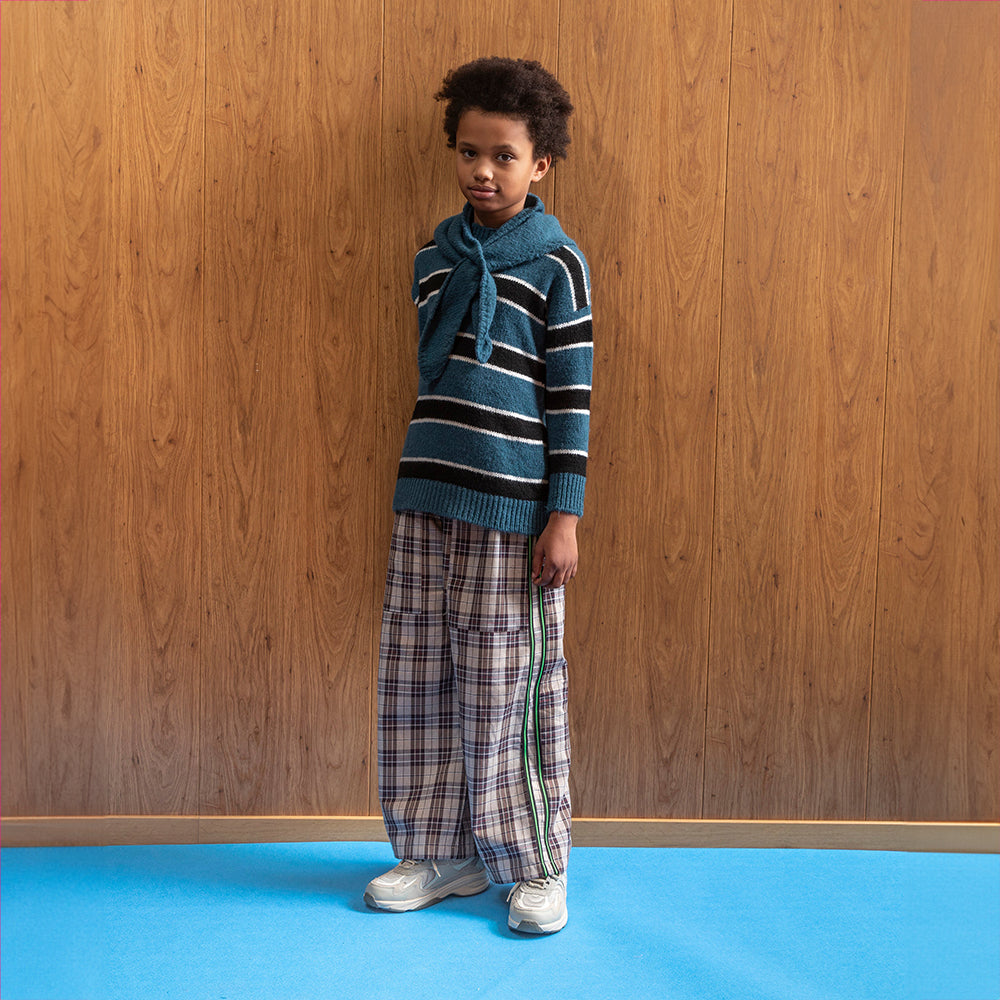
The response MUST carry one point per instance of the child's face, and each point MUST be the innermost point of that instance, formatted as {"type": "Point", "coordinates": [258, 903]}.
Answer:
{"type": "Point", "coordinates": [496, 165]}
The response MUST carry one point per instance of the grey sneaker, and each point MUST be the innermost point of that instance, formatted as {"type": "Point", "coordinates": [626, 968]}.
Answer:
{"type": "Point", "coordinates": [539, 905]}
{"type": "Point", "coordinates": [412, 885]}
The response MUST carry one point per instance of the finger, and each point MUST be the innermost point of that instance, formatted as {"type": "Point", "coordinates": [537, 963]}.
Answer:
{"type": "Point", "coordinates": [536, 563]}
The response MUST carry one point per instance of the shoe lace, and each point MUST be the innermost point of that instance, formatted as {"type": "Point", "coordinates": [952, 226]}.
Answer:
{"type": "Point", "coordinates": [409, 865]}
{"type": "Point", "coordinates": [533, 883]}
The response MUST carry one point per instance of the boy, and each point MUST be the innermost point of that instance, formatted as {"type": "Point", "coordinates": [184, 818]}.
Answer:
{"type": "Point", "coordinates": [473, 731]}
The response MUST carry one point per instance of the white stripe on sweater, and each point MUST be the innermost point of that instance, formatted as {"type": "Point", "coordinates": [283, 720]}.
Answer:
{"type": "Point", "coordinates": [497, 368]}
{"type": "Point", "coordinates": [483, 406]}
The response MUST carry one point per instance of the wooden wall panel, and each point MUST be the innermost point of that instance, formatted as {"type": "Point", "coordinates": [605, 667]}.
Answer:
{"type": "Point", "coordinates": [644, 193]}
{"type": "Point", "coordinates": [154, 411]}
{"type": "Point", "coordinates": [292, 209]}
{"type": "Point", "coordinates": [58, 311]}
{"type": "Point", "coordinates": [209, 218]}
{"type": "Point", "coordinates": [424, 40]}
{"type": "Point", "coordinates": [814, 153]}
{"type": "Point", "coordinates": [936, 684]}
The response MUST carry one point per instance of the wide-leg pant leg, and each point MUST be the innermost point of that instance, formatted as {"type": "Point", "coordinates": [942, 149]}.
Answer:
{"type": "Point", "coordinates": [473, 729]}
{"type": "Point", "coordinates": [507, 646]}
{"type": "Point", "coordinates": [422, 782]}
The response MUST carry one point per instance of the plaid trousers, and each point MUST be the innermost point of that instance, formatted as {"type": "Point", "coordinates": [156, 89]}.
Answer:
{"type": "Point", "coordinates": [473, 734]}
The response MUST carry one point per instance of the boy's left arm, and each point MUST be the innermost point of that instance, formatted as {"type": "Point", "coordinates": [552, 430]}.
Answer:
{"type": "Point", "coordinates": [569, 359]}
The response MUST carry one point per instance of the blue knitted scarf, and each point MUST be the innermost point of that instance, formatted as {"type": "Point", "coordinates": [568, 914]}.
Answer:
{"type": "Point", "coordinates": [529, 235]}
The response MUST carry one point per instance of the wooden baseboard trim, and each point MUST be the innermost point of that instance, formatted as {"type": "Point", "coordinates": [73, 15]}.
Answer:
{"type": "Point", "coordinates": [286, 829]}
{"type": "Point", "coordinates": [81, 831]}
{"type": "Point", "coordinates": [70, 831]}
{"type": "Point", "coordinates": [966, 838]}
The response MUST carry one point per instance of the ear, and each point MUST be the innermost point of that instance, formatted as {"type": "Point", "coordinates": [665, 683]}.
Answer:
{"type": "Point", "coordinates": [542, 165]}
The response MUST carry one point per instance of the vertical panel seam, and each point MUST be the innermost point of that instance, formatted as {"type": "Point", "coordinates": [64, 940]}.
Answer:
{"type": "Point", "coordinates": [555, 173]}
{"type": "Point", "coordinates": [718, 398]}
{"type": "Point", "coordinates": [374, 601]}
{"type": "Point", "coordinates": [897, 217]}
{"type": "Point", "coordinates": [116, 214]}
{"type": "Point", "coordinates": [203, 603]}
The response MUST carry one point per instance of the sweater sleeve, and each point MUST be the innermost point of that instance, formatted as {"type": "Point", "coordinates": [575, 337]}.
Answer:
{"type": "Point", "coordinates": [569, 361]}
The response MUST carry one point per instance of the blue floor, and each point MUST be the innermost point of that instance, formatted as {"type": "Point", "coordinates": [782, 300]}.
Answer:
{"type": "Point", "coordinates": [286, 922]}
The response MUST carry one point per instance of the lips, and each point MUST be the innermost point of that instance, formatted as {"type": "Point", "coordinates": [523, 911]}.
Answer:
{"type": "Point", "coordinates": [481, 192]}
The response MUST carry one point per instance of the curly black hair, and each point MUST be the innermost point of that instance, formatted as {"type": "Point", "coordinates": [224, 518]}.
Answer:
{"type": "Point", "coordinates": [515, 88]}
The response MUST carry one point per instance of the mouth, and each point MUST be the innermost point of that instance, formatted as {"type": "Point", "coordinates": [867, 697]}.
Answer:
{"type": "Point", "coordinates": [482, 192]}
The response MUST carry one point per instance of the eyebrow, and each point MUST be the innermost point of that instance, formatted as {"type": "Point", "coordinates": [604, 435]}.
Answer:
{"type": "Point", "coordinates": [503, 148]}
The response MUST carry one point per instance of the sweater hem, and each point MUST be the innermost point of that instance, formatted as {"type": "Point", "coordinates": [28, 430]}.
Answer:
{"type": "Point", "coordinates": [517, 517]}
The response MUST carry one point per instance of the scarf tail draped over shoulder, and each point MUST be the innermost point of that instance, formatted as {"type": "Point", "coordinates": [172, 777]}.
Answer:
{"type": "Point", "coordinates": [529, 235]}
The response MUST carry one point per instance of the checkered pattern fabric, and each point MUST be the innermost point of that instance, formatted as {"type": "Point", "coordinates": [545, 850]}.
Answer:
{"type": "Point", "coordinates": [473, 730]}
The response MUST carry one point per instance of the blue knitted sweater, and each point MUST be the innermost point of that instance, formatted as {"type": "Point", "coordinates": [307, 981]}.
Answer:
{"type": "Point", "coordinates": [500, 429]}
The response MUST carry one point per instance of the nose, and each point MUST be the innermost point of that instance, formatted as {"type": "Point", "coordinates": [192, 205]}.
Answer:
{"type": "Point", "coordinates": [481, 170]}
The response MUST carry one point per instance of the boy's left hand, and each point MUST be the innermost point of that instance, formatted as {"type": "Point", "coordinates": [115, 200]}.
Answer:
{"type": "Point", "coordinates": [555, 558]}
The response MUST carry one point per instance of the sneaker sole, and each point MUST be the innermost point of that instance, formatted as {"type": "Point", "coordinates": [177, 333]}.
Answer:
{"type": "Point", "coordinates": [469, 886]}
{"type": "Point", "coordinates": [531, 927]}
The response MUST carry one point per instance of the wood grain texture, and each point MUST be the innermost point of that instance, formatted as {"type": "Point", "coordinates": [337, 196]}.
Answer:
{"type": "Point", "coordinates": [154, 405]}
{"type": "Point", "coordinates": [424, 40]}
{"type": "Point", "coordinates": [935, 750]}
{"type": "Point", "coordinates": [58, 612]}
{"type": "Point", "coordinates": [816, 124]}
{"type": "Point", "coordinates": [643, 192]}
{"type": "Point", "coordinates": [292, 224]}
{"type": "Point", "coordinates": [209, 218]}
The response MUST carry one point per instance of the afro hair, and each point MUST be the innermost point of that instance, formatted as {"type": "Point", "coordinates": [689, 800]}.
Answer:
{"type": "Point", "coordinates": [514, 88]}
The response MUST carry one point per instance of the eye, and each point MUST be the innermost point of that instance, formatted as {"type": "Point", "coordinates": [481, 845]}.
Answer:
{"type": "Point", "coordinates": [467, 154]}
{"type": "Point", "coordinates": [505, 157]}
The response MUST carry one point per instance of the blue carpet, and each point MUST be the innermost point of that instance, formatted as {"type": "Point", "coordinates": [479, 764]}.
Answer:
{"type": "Point", "coordinates": [286, 922]}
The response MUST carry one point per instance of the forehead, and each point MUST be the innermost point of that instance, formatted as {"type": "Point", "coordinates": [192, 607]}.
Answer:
{"type": "Point", "coordinates": [488, 130]}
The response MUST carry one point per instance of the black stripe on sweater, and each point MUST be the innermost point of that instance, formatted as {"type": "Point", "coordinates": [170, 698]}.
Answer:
{"type": "Point", "coordinates": [575, 334]}
{"type": "Point", "coordinates": [568, 463]}
{"type": "Point", "coordinates": [431, 284]}
{"type": "Point", "coordinates": [577, 276]}
{"type": "Point", "coordinates": [567, 399]}
{"type": "Point", "coordinates": [477, 418]}
{"type": "Point", "coordinates": [481, 482]}
{"type": "Point", "coordinates": [502, 357]}
{"type": "Point", "coordinates": [522, 296]}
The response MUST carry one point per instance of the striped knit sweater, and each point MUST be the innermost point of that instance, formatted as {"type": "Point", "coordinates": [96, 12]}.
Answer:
{"type": "Point", "coordinates": [503, 443]}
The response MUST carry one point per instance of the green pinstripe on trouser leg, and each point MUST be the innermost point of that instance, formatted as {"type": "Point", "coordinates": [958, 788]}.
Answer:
{"type": "Point", "coordinates": [532, 699]}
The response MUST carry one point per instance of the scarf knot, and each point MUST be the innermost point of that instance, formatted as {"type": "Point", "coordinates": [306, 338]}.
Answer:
{"type": "Point", "coordinates": [470, 285]}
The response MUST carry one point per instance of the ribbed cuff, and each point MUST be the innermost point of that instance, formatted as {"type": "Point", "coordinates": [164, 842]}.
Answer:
{"type": "Point", "coordinates": [566, 493]}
